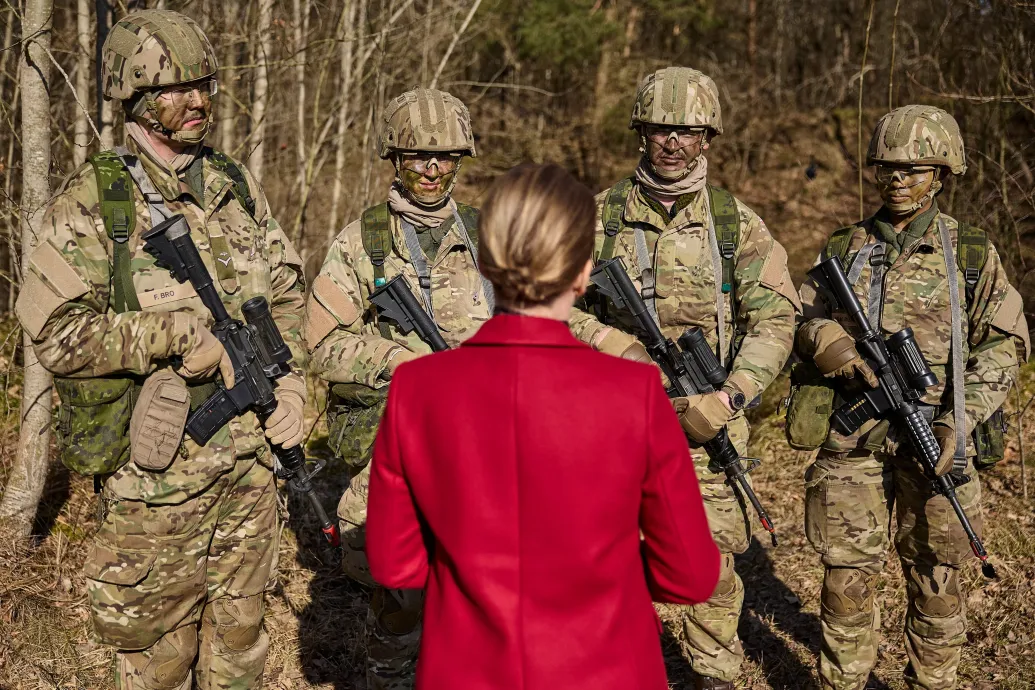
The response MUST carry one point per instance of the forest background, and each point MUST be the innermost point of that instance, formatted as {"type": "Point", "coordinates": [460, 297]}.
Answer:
{"type": "Point", "coordinates": [302, 85]}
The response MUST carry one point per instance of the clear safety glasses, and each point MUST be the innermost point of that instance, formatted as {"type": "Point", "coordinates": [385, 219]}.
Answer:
{"type": "Point", "coordinates": [886, 174]}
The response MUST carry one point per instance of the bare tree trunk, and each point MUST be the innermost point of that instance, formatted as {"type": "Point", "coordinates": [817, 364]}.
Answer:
{"type": "Point", "coordinates": [350, 48]}
{"type": "Point", "coordinates": [227, 118]}
{"type": "Point", "coordinates": [752, 39]}
{"type": "Point", "coordinates": [105, 111]}
{"type": "Point", "coordinates": [25, 483]}
{"type": "Point", "coordinates": [83, 74]}
{"type": "Point", "coordinates": [260, 91]}
{"type": "Point", "coordinates": [300, 11]}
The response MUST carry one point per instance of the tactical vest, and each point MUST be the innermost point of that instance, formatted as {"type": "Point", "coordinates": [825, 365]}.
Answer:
{"type": "Point", "coordinates": [971, 255]}
{"type": "Point", "coordinates": [94, 414]}
{"type": "Point", "coordinates": [354, 411]}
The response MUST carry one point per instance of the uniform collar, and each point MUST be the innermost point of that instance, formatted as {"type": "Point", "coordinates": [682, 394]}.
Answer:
{"type": "Point", "coordinates": [173, 187]}
{"type": "Point", "coordinates": [639, 210]}
{"type": "Point", "coordinates": [515, 329]}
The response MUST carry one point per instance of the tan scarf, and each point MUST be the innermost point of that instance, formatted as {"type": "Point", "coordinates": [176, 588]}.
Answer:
{"type": "Point", "coordinates": [180, 162]}
{"type": "Point", "coordinates": [415, 213]}
{"type": "Point", "coordinates": [657, 187]}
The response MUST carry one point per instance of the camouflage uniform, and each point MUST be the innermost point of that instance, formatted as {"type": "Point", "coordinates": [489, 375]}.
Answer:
{"type": "Point", "coordinates": [762, 314]}
{"type": "Point", "coordinates": [177, 571]}
{"type": "Point", "coordinates": [348, 346]}
{"type": "Point", "coordinates": [856, 482]}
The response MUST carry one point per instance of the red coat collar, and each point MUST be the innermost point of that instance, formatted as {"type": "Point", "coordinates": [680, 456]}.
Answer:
{"type": "Point", "coordinates": [514, 329]}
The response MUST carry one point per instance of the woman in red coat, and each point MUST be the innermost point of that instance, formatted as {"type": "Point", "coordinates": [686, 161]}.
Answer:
{"type": "Point", "coordinates": [513, 478]}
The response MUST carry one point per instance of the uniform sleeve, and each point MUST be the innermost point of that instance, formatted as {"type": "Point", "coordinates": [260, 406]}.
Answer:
{"type": "Point", "coordinates": [998, 338]}
{"type": "Point", "coordinates": [63, 304]}
{"type": "Point", "coordinates": [287, 282]}
{"type": "Point", "coordinates": [681, 560]}
{"type": "Point", "coordinates": [767, 306]}
{"type": "Point", "coordinates": [395, 544]}
{"type": "Point", "coordinates": [339, 351]}
{"type": "Point", "coordinates": [583, 323]}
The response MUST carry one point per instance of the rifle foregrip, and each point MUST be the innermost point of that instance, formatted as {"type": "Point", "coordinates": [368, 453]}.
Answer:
{"type": "Point", "coordinates": [923, 440]}
{"type": "Point", "coordinates": [212, 416]}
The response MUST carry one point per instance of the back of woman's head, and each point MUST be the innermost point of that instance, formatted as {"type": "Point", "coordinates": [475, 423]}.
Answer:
{"type": "Point", "coordinates": [535, 234]}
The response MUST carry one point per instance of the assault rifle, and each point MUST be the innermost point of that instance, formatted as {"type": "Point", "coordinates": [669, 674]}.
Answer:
{"type": "Point", "coordinates": [903, 376]}
{"type": "Point", "coordinates": [691, 367]}
{"type": "Point", "coordinates": [394, 300]}
{"type": "Point", "coordinates": [256, 349]}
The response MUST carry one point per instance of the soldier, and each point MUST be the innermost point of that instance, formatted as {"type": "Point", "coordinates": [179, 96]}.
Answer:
{"type": "Point", "coordinates": [425, 236]}
{"type": "Point", "coordinates": [912, 265]}
{"type": "Point", "coordinates": [178, 567]}
{"type": "Point", "coordinates": [701, 258]}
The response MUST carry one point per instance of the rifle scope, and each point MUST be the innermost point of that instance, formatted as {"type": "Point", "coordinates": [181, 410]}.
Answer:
{"type": "Point", "coordinates": [271, 344]}
{"type": "Point", "coordinates": [696, 345]}
{"type": "Point", "coordinates": [911, 361]}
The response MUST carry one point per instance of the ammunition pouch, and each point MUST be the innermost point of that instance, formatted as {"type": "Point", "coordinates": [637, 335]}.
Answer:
{"type": "Point", "coordinates": [809, 408]}
{"type": "Point", "coordinates": [354, 412]}
{"type": "Point", "coordinates": [990, 441]}
{"type": "Point", "coordinates": [93, 423]}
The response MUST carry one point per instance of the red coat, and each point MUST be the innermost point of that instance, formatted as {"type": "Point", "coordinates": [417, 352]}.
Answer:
{"type": "Point", "coordinates": [511, 478]}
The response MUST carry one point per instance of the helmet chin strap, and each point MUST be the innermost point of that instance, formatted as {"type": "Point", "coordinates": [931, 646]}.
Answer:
{"type": "Point", "coordinates": [664, 175]}
{"type": "Point", "coordinates": [425, 204]}
{"type": "Point", "coordinates": [191, 136]}
{"type": "Point", "coordinates": [936, 186]}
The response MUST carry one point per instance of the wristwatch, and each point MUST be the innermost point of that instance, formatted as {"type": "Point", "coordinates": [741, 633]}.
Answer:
{"type": "Point", "coordinates": [737, 398]}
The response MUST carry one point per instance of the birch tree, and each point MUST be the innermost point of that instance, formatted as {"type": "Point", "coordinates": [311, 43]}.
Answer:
{"type": "Point", "coordinates": [25, 483]}
{"type": "Point", "coordinates": [260, 90]}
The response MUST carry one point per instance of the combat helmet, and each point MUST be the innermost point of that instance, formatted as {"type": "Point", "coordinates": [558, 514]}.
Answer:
{"type": "Point", "coordinates": [677, 96]}
{"type": "Point", "coordinates": [152, 49]}
{"type": "Point", "coordinates": [918, 135]}
{"type": "Point", "coordinates": [149, 50]}
{"type": "Point", "coordinates": [426, 120]}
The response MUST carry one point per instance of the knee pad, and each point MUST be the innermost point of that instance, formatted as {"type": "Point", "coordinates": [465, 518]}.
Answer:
{"type": "Point", "coordinates": [934, 591]}
{"type": "Point", "coordinates": [397, 611]}
{"type": "Point", "coordinates": [237, 623]}
{"type": "Point", "coordinates": [164, 666]}
{"type": "Point", "coordinates": [727, 584]}
{"type": "Point", "coordinates": [848, 591]}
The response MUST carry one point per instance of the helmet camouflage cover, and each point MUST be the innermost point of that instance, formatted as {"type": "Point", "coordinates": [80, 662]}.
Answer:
{"type": "Point", "coordinates": [426, 120]}
{"type": "Point", "coordinates": [677, 96]}
{"type": "Point", "coordinates": [152, 49]}
{"type": "Point", "coordinates": [918, 135]}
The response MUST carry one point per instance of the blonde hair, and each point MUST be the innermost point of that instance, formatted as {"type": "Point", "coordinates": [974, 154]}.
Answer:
{"type": "Point", "coordinates": [535, 234]}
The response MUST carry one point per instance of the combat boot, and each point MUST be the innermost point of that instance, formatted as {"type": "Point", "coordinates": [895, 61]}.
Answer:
{"type": "Point", "coordinates": [707, 683]}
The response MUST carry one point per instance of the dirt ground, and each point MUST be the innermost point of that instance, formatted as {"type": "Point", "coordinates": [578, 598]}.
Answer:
{"type": "Point", "coordinates": [315, 615]}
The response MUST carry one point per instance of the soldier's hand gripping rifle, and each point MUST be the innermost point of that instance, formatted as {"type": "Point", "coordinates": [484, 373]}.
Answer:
{"type": "Point", "coordinates": [394, 300]}
{"type": "Point", "coordinates": [256, 350]}
{"type": "Point", "coordinates": [903, 376]}
{"type": "Point", "coordinates": [691, 367]}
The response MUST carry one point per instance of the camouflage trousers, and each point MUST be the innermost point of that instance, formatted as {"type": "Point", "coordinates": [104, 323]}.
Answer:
{"type": "Point", "coordinates": [710, 637]}
{"type": "Point", "coordinates": [393, 622]}
{"type": "Point", "coordinates": [178, 589]}
{"type": "Point", "coordinates": [849, 501]}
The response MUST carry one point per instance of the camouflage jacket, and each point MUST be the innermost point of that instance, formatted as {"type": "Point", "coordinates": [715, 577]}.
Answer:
{"type": "Point", "coordinates": [341, 328]}
{"type": "Point", "coordinates": [766, 302]}
{"type": "Point", "coordinates": [916, 294]}
{"type": "Point", "coordinates": [80, 335]}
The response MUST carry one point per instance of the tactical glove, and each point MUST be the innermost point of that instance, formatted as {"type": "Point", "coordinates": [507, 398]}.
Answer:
{"type": "Point", "coordinates": [944, 430]}
{"type": "Point", "coordinates": [205, 356]}
{"type": "Point", "coordinates": [702, 416]}
{"type": "Point", "coordinates": [286, 426]}
{"type": "Point", "coordinates": [396, 358]}
{"type": "Point", "coordinates": [619, 344]}
{"type": "Point", "coordinates": [833, 351]}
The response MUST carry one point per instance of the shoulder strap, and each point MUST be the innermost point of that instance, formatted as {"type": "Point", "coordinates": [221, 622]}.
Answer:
{"type": "Point", "coordinates": [469, 214]}
{"type": "Point", "coordinates": [239, 184]}
{"type": "Point", "coordinates": [838, 243]}
{"type": "Point", "coordinates": [971, 254]}
{"type": "Point", "coordinates": [376, 231]}
{"type": "Point", "coordinates": [115, 190]}
{"type": "Point", "coordinates": [727, 231]}
{"type": "Point", "coordinates": [614, 206]}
